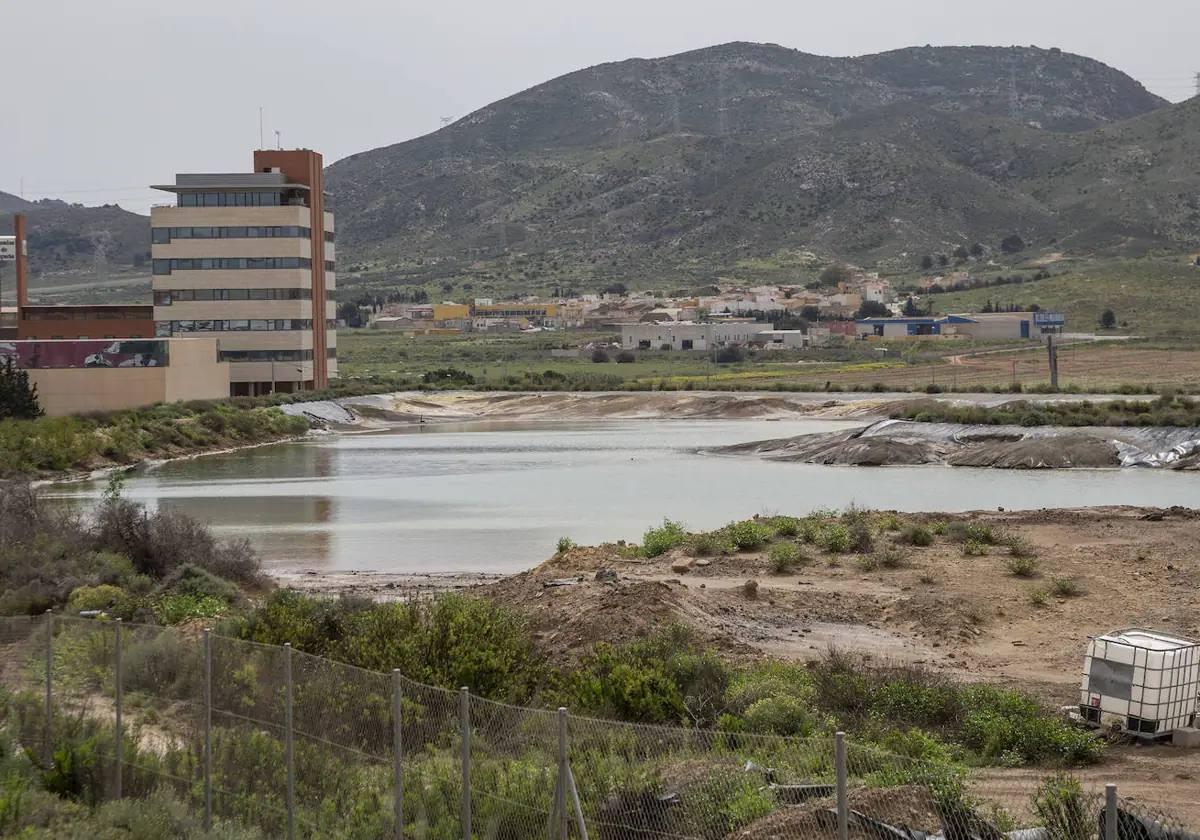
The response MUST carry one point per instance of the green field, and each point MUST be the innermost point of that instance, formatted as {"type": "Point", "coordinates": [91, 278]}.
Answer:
{"type": "Point", "coordinates": [515, 360]}
{"type": "Point", "coordinates": [1156, 298]}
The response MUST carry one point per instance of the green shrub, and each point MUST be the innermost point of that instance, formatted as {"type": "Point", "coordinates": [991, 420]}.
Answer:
{"type": "Point", "coordinates": [1039, 598]}
{"type": "Point", "coordinates": [1066, 587]}
{"type": "Point", "coordinates": [709, 544]}
{"type": "Point", "coordinates": [1017, 546]}
{"type": "Point", "coordinates": [176, 609]}
{"type": "Point", "coordinates": [1022, 567]}
{"type": "Point", "coordinates": [784, 556]}
{"type": "Point", "coordinates": [917, 535]}
{"type": "Point", "coordinates": [835, 538]}
{"type": "Point", "coordinates": [780, 715]}
{"type": "Point", "coordinates": [890, 522]}
{"type": "Point", "coordinates": [565, 544]}
{"type": "Point", "coordinates": [810, 530]}
{"type": "Point", "coordinates": [748, 534]}
{"type": "Point", "coordinates": [657, 541]}
{"type": "Point", "coordinates": [1062, 809]}
{"type": "Point", "coordinates": [974, 548]}
{"type": "Point", "coordinates": [862, 540]}
{"type": "Point", "coordinates": [102, 597]}
{"type": "Point", "coordinates": [971, 532]}
{"type": "Point", "coordinates": [939, 528]}
{"type": "Point", "coordinates": [892, 557]}
{"type": "Point", "coordinates": [201, 584]}
{"type": "Point", "coordinates": [785, 526]}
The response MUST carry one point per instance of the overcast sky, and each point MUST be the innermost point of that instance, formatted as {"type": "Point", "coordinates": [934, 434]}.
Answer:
{"type": "Point", "coordinates": [104, 98]}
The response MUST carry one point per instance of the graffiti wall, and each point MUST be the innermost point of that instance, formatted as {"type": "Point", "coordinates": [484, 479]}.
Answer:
{"type": "Point", "coordinates": [38, 355]}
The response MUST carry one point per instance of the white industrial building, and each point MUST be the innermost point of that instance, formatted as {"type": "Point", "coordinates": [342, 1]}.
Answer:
{"type": "Point", "coordinates": [687, 335]}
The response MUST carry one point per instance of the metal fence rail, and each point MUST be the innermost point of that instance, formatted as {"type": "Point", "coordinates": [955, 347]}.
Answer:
{"type": "Point", "coordinates": [305, 747]}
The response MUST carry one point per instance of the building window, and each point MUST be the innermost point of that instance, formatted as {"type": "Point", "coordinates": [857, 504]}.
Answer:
{"type": "Point", "coordinates": [229, 264]}
{"type": "Point", "coordinates": [265, 355]}
{"type": "Point", "coordinates": [243, 198]}
{"type": "Point", "coordinates": [164, 235]}
{"type": "Point", "coordinates": [165, 297]}
{"type": "Point", "coordinates": [169, 328]}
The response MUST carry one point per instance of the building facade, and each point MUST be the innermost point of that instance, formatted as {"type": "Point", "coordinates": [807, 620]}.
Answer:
{"type": "Point", "coordinates": [85, 321]}
{"type": "Point", "coordinates": [74, 377]}
{"type": "Point", "coordinates": [249, 259]}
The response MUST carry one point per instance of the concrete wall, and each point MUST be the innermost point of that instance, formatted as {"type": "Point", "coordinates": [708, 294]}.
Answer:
{"type": "Point", "coordinates": [194, 372]}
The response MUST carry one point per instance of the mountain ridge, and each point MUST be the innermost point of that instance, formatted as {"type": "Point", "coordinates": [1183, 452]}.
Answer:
{"type": "Point", "coordinates": [687, 165]}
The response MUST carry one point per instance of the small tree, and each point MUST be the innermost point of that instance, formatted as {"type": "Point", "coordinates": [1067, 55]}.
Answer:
{"type": "Point", "coordinates": [835, 273]}
{"type": "Point", "coordinates": [873, 309]}
{"type": "Point", "coordinates": [977, 249]}
{"type": "Point", "coordinates": [1012, 244]}
{"type": "Point", "coordinates": [910, 308]}
{"type": "Point", "coordinates": [1108, 319]}
{"type": "Point", "coordinates": [927, 262]}
{"type": "Point", "coordinates": [599, 355]}
{"type": "Point", "coordinates": [18, 397]}
{"type": "Point", "coordinates": [961, 254]}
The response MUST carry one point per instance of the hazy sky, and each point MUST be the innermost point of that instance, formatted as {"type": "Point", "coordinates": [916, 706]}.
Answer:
{"type": "Point", "coordinates": [104, 97]}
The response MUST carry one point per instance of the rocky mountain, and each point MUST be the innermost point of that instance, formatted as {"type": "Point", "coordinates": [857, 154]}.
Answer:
{"type": "Point", "coordinates": [692, 164]}
{"type": "Point", "coordinates": [13, 204]}
{"type": "Point", "coordinates": [72, 238]}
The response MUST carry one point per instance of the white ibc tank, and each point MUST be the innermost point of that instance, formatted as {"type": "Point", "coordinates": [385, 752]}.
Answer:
{"type": "Point", "coordinates": [1144, 681]}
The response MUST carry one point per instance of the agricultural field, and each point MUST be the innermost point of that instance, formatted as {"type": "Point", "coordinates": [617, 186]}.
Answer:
{"type": "Point", "coordinates": [511, 361]}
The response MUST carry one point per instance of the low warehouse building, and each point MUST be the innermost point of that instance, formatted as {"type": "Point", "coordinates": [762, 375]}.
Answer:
{"type": "Point", "coordinates": [75, 377]}
{"type": "Point", "coordinates": [979, 326]}
{"type": "Point", "coordinates": [686, 335]}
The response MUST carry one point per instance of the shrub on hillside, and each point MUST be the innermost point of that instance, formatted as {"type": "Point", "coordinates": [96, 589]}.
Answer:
{"type": "Point", "coordinates": [749, 534]}
{"type": "Point", "coordinates": [660, 540]}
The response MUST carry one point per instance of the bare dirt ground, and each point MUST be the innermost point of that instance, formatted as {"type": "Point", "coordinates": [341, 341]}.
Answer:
{"type": "Point", "coordinates": [968, 616]}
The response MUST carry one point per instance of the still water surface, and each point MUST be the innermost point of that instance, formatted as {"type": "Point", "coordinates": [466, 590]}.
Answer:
{"type": "Point", "coordinates": [492, 496]}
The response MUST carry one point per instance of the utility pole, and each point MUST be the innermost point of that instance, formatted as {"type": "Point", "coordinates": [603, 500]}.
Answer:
{"type": "Point", "coordinates": [1052, 352]}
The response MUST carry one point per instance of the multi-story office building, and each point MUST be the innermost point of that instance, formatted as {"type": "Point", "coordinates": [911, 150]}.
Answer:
{"type": "Point", "coordinates": [248, 258]}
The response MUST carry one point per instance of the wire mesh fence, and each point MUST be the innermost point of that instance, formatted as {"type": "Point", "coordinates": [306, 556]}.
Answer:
{"type": "Point", "coordinates": [299, 746]}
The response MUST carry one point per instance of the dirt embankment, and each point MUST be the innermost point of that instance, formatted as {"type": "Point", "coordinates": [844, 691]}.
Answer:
{"type": "Point", "coordinates": [410, 407]}
{"type": "Point", "coordinates": [967, 614]}
{"type": "Point", "coordinates": [896, 442]}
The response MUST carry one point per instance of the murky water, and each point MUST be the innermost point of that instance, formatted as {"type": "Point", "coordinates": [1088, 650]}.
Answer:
{"type": "Point", "coordinates": [497, 496]}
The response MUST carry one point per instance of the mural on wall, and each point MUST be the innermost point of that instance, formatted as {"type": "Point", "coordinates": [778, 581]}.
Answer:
{"type": "Point", "coordinates": [127, 353]}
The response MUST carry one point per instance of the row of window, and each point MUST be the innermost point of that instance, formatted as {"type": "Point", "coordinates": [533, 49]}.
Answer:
{"type": "Point", "coordinates": [254, 198]}
{"type": "Point", "coordinates": [163, 235]}
{"type": "Point", "coordinates": [165, 297]}
{"type": "Point", "coordinates": [230, 263]}
{"type": "Point", "coordinates": [82, 315]}
{"type": "Point", "coordinates": [272, 355]}
{"type": "Point", "coordinates": [169, 328]}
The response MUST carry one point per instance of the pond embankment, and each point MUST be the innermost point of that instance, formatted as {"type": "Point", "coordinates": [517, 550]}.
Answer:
{"type": "Point", "coordinates": [900, 442]}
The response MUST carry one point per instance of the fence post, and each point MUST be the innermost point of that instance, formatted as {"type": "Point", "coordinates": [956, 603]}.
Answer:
{"type": "Point", "coordinates": [397, 754]}
{"type": "Point", "coordinates": [48, 747]}
{"type": "Point", "coordinates": [288, 747]}
{"type": "Point", "coordinates": [843, 804]}
{"type": "Point", "coordinates": [464, 715]}
{"type": "Point", "coordinates": [120, 729]}
{"type": "Point", "coordinates": [560, 790]}
{"type": "Point", "coordinates": [207, 729]}
{"type": "Point", "coordinates": [1110, 812]}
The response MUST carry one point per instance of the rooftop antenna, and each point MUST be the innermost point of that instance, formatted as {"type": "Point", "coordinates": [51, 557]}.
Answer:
{"type": "Point", "coordinates": [278, 139]}
{"type": "Point", "coordinates": [260, 127]}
